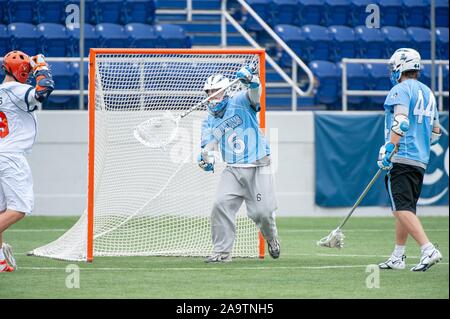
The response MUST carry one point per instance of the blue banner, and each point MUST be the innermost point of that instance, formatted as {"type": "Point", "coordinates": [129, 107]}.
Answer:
{"type": "Point", "coordinates": [346, 151]}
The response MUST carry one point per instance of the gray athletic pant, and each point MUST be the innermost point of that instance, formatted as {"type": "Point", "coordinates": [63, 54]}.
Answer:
{"type": "Point", "coordinates": [255, 186]}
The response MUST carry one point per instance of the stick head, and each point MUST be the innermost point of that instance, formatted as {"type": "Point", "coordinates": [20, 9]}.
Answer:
{"type": "Point", "coordinates": [334, 240]}
{"type": "Point", "coordinates": [158, 131]}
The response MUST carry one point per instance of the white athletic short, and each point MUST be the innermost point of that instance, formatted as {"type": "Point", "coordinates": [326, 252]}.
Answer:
{"type": "Point", "coordinates": [16, 184]}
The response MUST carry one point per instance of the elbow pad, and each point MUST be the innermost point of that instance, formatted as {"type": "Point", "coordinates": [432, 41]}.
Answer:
{"type": "Point", "coordinates": [44, 84]}
{"type": "Point", "coordinates": [400, 125]}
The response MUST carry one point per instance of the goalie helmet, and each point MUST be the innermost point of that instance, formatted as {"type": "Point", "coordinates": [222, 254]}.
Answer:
{"type": "Point", "coordinates": [17, 65]}
{"type": "Point", "coordinates": [403, 60]}
{"type": "Point", "coordinates": [216, 106]}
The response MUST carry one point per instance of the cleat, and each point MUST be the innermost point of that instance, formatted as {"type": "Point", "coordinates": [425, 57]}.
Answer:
{"type": "Point", "coordinates": [274, 248]}
{"type": "Point", "coordinates": [219, 258]}
{"type": "Point", "coordinates": [4, 267]}
{"type": "Point", "coordinates": [7, 251]}
{"type": "Point", "coordinates": [394, 262]}
{"type": "Point", "coordinates": [427, 260]}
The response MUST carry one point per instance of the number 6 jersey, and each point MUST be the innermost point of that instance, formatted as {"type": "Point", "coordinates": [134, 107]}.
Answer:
{"type": "Point", "coordinates": [417, 101]}
{"type": "Point", "coordinates": [18, 126]}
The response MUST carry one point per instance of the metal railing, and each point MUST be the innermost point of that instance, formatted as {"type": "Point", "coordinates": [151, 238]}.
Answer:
{"type": "Point", "coordinates": [292, 82]}
{"type": "Point", "coordinates": [440, 93]}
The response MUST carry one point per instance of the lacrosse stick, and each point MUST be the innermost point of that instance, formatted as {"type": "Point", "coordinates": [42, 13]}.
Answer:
{"type": "Point", "coordinates": [160, 130]}
{"type": "Point", "coordinates": [336, 238]}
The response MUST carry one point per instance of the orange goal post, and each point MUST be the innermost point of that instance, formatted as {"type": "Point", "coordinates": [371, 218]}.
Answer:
{"type": "Point", "coordinates": [144, 201]}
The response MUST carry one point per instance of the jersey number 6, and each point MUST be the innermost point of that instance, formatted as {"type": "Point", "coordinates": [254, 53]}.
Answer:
{"type": "Point", "coordinates": [4, 130]}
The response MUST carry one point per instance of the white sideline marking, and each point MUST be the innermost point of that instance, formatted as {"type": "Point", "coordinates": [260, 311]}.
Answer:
{"type": "Point", "coordinates": [206, 268]}
{"type": "Point", "coordinates": [36, 230]}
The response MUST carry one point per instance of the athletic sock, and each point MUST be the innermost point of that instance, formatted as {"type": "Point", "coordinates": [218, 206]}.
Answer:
{"type": "Point", "coordinates": [2, 256]}
{"type": "Point", "coordinates": [427, 247]}
{"type": "Point", "coordinates": [399, 251]}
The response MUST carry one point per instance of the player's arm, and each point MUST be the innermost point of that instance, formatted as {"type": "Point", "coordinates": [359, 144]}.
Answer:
{"type": "Point", "coordinates": [436, 131]}
{"type": "Point", "coordinates": [43, 76]}
{"type": "Point", "coordinates": [206, 158]}
{"type": "Point", "coordinates": [251, 80]}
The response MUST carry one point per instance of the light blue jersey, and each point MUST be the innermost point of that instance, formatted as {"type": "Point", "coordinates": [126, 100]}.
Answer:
{"type": "Point", "coordinates": [419, 104]}
{"type": "Point", "coordinates": [237, 132]}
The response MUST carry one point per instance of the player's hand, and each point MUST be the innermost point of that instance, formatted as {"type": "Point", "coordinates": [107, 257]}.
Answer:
{"type": "Point", "coordinates": [384, 156]}
{"type": "Point", "coordinates": [38, 62]}
{"type": "Point", "coordinates": [245, 74]}
{"type": "Point", "coordinates": [206, 161]}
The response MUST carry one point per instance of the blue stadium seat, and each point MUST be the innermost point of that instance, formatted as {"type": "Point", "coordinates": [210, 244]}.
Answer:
{"type": "Point", "coordinates": [292, 36]}
{"type": "Point", "coordinates": [344, 45]}
{"type": "Point", "coordinates": [441, 13]}
{"type": "Point", "coordinates": [142, 35]}
{"type": "Point", "coordinates": [22, 11]}
{"type": "Point", "coordinates": [370, 43]}
{"type": "Point", "coordinates": [90, 9]}
{"type": "Point", "coordinates": [4, 40]}
{"type": "Point", "coordinates": [263, 8]}
{"type": "Point", "coordinates": [112, 35]}
{"type": "Point", "coordinates": [425, 75]}
{"type": "Point", "coordinates": [55, 40]}
{"type": "Point", "coordinates": [395, 38]}
{"type": "Point", "coordinates": [65, 79]}
{"type": "Point", "coordinates": [442, 43]}
{"type": "Point", "coordinates": [421, 41]}
{"type": "Point", "coordinates": [24, 37]}
{"type": "Point", "coordinates": [391, 12]}
{"type": "Point", "coordinates": [328, 75]}
{"type": "Point", "coordinates": [91, 39]}
{"type": "Point", "coordinates": [139, 11]}
{"type": "Point", "coordinates": [285, 12]}
{"type": "Point", "coordinates": [358, 11]}
{"type": "Point", "coordinates": [51, 11]}
{"type": "Point", "coordinates": [75, 66]}
{"type": "Point", "coordinates": [379, 79]}
{"type": "Point", "coordinates": [337, 12]}
{"type": "Point", "coordinates": [317, 42]}
{"type": "Point", "coordinates": [4, 14]}
{"type": "Point", "coordinates": [416, 13]}
{"type": "Point", "coordinates": [311, 12]}
{"type": "Point", "coordinates": [172, 36]}
{"type": "Point", "coordinates": [110, 11]}
{"type": "Point", "coordinates": [445, 73]}
{"type": "Point", "coordinates": [356, 80]}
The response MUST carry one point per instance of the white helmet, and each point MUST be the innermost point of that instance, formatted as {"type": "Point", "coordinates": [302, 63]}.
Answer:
{"type": "Point", "coordinates": [402, 60]}
{"type": "Point", "coordinates": [216, 82]}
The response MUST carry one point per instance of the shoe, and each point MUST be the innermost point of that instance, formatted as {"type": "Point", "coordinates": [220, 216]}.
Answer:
{"type": "Point", "coordinates": [7, 251]}
{"type": "Point", "coordinates": [427, 260]}
{"type": "Point", "coordinates": [5, 267]}
{"type": "Point", "coordinates": [394, 262]}
{"type": "Point", "coordinates": [274, 248]}
{"type": "Point", "coordinates": [219, 258]}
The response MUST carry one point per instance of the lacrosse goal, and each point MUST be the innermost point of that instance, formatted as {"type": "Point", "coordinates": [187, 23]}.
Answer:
{"type": "Point", "coordinates": [144, 201]}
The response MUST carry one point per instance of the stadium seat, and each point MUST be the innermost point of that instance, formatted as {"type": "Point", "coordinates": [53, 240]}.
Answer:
{"type": "Point", "coordinates": [395, 38]}
{"type": "Point", "coordinates": [441, 13]}
{"type": "Point", "coordinates": [4, 15]}
{"type": "Point", "coordinates": [442, 43]}
{"type": "Point", "coordinates": [328, 76]}
{"type": "Point", "coordinates": [391, 12]}
{"type": "Point", "coordinates": [263, 8]}
{"type": "Point", "coordinates": [292, 36]}
{"type": "Point", "coordinates": [22, 11]}
{"type": "Point", "coordinates": [311, 12]}
{"type": "Point", "coordinates": [425, 75]}
{"type": "Point", "coordinates": [90, 9]}
{"type": "Point", "coordinates": [55, 40]}
{"type": "Point", "coordinates": [65, 79]}
{"type": "Point", "coordinates": [370, 43]}
{"type": "Point", "coordinates": [139, 11]}
{"type": "Point", "coordinates": [337, 12]}
{"type": "Point", "coordinates": [51, 11]}
{"type": "Point", "coordinates": [24, 37]}
{"type": "Point", "coordinates": [358, 11]}
{"type": "Point", "coordinates": [172, 36]}
{"type": "Point", "coordinates": [91, 39]}
{"type": "Point", "coordinates": [285, 12]}
{"type": "Point", "coordinates": [445, 77]}
{"type": "Point", "coordinates": [317, 42]}
{"type": "Point", "coordinates": [110, 11]}
{"type": "Point", "coordinates": [4, 40]}
{"type": "Point", "coordinates": [379, 79]}
{"type": "Point", "coordinates": [416, 13]}
{"type": "Point", "coordinates": [421, 39]}
{"type": "Point", "coordinates": [112, 35]}
{"type": "Point", "coordinates": [75, 66]}
{"type": "Point", "coordinates": [142, 35]}
{"type": "Point", "coordinates": [356, 80]}
{"type": "Point", "coordinates": [344, 42]}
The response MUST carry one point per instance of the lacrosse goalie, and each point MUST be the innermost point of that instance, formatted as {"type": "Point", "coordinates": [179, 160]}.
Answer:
{"type": "Point", "coordinates": [232, 127]}
{"type": "Point", "coordinates": [18, 128]}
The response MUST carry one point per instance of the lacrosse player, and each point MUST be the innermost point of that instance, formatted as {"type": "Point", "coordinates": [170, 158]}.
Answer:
{"type": "Point", "coordinates": [411, 127]}
{"type": "Point", "coordinates": [18, 127]}
{"type": "Point", "coordinates": [233, 128]}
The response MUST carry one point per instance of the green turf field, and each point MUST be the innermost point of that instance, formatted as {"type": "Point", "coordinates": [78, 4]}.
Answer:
{"type": "Point", "coordinates": [303, 270]}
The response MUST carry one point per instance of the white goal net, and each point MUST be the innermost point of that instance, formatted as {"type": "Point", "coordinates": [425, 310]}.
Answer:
{"type": "Point", "coordinates": [151, 202]}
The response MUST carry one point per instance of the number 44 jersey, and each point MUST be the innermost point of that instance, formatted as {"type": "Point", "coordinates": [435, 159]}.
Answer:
{"type": "Point", "coordinates": [419, 103]}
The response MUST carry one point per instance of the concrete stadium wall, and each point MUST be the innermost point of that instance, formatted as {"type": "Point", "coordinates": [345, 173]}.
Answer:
{"type": "Point", "coordinates": [59, 165]}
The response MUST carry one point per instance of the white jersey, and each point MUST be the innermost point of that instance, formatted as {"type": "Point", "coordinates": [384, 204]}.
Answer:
{"type": "Point", "coordinates": [18, 125]}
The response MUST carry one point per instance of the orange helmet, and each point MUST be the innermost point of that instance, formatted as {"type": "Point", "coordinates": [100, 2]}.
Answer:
{"type": "Point", "coordinates": [17, 64]}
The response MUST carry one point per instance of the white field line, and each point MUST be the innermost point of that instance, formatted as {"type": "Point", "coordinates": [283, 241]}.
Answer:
{"type": "Point", "coordinates": [203, 268]}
